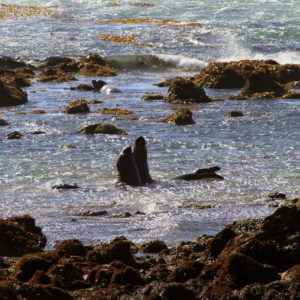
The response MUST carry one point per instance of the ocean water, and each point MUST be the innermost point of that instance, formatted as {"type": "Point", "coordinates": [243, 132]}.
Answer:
{"type": "Point", "coordinates": [258, 153]}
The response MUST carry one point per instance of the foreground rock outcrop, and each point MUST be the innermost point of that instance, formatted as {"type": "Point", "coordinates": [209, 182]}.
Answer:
{"type": "Point", "coordinates": [234, 264]}
{"type": "Point", "coordinates": [11, 94]}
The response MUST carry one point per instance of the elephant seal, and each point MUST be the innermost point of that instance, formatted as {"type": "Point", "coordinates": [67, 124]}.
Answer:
{"type": "Point", "coordinates": [208, 173]}
{"type": "Point", "coordinates": [140, 156]}
{"type": "Point", "coordinates": [127, 169]}
{"type": "Point", "coordinates": [101, 86]}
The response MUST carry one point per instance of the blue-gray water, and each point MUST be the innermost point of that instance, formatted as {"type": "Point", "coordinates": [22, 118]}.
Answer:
{"type": "Point", "coordinates": [259, 153]}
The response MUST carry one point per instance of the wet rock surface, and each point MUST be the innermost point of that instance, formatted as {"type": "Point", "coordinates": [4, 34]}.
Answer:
{"type": "Point", "coordinates": [234, 264]}
{"type": "Point", "coordinates": [182, 116]}
{"type": "Point", "coordinates": [11, 94]}
{"type": "Point", "coordinates": [182, 90]}
{"type": "Point", "coordinates": [101, 128]}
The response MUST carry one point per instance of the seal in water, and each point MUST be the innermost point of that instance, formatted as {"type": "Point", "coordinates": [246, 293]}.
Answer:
{"type": "Point", "coordinates": [140, 156]}
{"type": "Point", "coordinates": [101, 86]}
{"type": "Point", "coordinates": [127, 169]}
{"type": "Point", "coordinates": [208, 173]}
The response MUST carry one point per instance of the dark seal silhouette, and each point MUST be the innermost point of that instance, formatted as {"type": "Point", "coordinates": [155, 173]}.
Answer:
{"type": "Point", "coordinates": [202, 174]}
{"type": "Point", "coordinates": [127, 169]}
{"type": "Point", "coordinates": [140, 156]}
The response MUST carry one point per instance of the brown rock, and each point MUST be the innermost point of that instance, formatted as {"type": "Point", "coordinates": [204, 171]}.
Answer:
{"type": "Point", "coordinates": [101, 128]}
{"type": "Point", "coordinates": [70, 247]}
{"type": "Point", "coordinates": [127, 276]}
{"type": "Point", "coordinates": [186, 271]}
{"type": "Point", "coordinates": [11, 95]}
{"type": "Point", "coordinates": [79, 106]}
{"type": "Point", "coordinates": [14, 135]}
{"type": "Point", "coordinates": [82, 87]}
{"type": "Point", "coordinates": [155, 246]}
{"type": "Point", "coordinates": [292, 274]}
{"type": "Point", "coordinates": [3, 122]}
{"type": "Point", "coordinates": [182, 116]}
{"type": "Point", "coordinates": [19, 235]}
{"type": "Point", "coordinates": [55, 75]}
{"type": "Point", "coordinates": [185, 91]}
{"type": "Point", "coordinates": [93, 69]}
{"type": "Point", "coordinates": [29, 264]}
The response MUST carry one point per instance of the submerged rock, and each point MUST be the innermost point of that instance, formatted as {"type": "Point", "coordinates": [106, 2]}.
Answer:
{"type": "Point", "coordinates": [3, 122]}
{"type": "Point", "coordinates": [14, 135]}
{"type": "Point", "coordinates": [101, 128]}
{"type": "Point", "coordinates": [234, 114]}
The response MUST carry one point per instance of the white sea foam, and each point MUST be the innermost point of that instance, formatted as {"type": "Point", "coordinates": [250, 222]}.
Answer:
{"type": "Point", "coordinates": [184, 63]}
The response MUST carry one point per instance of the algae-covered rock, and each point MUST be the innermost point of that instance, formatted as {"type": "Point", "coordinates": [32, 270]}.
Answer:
{"type": "Point", "coordinates": [101, 128]}
{"type": "Point", "coordinates": [20, 235]}
{"type": "Point", "coordinates": [183, 90]}
{"type": "Point", "coordinates": [11, 94]}
{"type": "Point", "coordinates": [78, 106]}
{"type": "Point", "coordinates": [182, 116]}
{"type": "Point", "coordinates": [155, 246]}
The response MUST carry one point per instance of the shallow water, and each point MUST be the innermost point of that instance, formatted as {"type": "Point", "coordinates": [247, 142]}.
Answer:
{"type": "Point", "coordinates": [259, 153]}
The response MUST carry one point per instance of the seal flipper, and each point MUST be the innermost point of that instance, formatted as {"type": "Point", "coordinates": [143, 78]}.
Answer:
{"type": "Point", "coordinates": [140, 156]}
{"type": "Point", "coordinates": [127, 169]}
{"type": "Point", "coordinates": [207, 170]}
{"type": "Point", "coordinates": [202, 174]}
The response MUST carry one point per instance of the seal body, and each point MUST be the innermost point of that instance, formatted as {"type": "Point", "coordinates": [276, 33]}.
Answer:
{"type": "Point", "coordinates": [201, 174]}
{"type": "Point", "coordinates": [127, 169]}
{"type": "Point", "coordinates": [140, 156]}
{"type": "Point", "coordinates": [101, 86]}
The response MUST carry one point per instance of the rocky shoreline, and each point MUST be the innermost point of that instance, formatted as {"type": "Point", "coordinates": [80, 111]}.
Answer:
{"type": "Point", "coordinates": [251, 259]}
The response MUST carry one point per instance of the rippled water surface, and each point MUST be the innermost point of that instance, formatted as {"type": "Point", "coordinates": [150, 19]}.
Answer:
{"type": "Point", "coordinates": [259, 153]}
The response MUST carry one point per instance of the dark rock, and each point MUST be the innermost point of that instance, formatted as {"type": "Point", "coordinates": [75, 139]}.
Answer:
{"type": "Point", "coordinates": [186, 271]}
{"type": "Point", "coordinates": [77, 107]}
{"type": "Point", "coordinates": [227, 79]}
{"type": "Point", "coordinates": [65, 276]}
{"type": "Point", "coordinates": [277, 195]}
{"type": "Point", "coordinates": [94, 58]}
{"type": "Point", "coordinates": [11, 95]}
{"type": "Point", "coordinates": [53, 74]}
{"type": "Point", "coordinates": [82, 87]}
{"type": "Point", "coordinates": [234, 114]}
{"type": "Point", "coordinates": [29, 264]}
{"type": "Point", "coordinates": [101, 128]}
{"type": "Point", "coordinates": [65, 186]}
{"type": "Point", "coordinates": [11, 63]}
{"type": "Point", "coordinates": [3, 122]}
{"type": "Point", "coordinates": [39, 277]}
{"type": "Point", "coordinates": [177, 291]}
{"type": "Point", "coordinates": [261, 84]}
{"type": "Point", "coordinates": [185, 91]}
{"type": "Point", "coordinates": [155, 246]}
{"type": "Point", "coordinates": [57, 60]}
{"type": "Point", "coordinates": [14, 135]}
{"type": "Point", "coordinates": [93, 213]}
{"type": "Point", "coordinates": [70, 247]}
{"type": "Point", "coordinates": [127, 276]}
{"type": "Point", "coordinates": [218, 242]}
{"type": "Point", "coordinates": [182, 116]}
{"type": "Point", "coordinates": [19, 235]}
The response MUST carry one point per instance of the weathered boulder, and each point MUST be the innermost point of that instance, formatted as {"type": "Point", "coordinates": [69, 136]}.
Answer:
{"type": "Point", "coordinates": [234, 114]}
{"type": "Point", "coordinates": [101, 128]}
{"type": "Point", "coordinates": [155, 246]}
{"type": "Point", "coordinates": [261, 84]}
{"type": "Point", "coordinates": [54, 74]}
{"type": "Point", "coordinates": [20, 235]}
{"type": "Point", "coordinates": [182, 116]}
{"type": "Point", "coordinates": [94, 65]}
{"type": "Point", "coordinates": [70, 247]}
{"type": "Point", "coordinates": [78, 106]}
{"type": "Point", "coordinates": [11, 95]}
{"type": "Point", "coordinates": [185, 91]}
